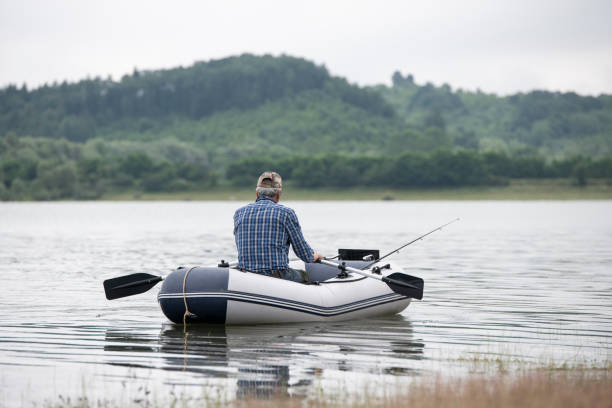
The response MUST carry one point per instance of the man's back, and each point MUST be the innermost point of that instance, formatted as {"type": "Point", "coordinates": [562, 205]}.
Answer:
{"type": "Point", "coordinates": [263, 231]}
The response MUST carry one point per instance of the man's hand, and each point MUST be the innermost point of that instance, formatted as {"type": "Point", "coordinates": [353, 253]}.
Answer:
{"type": "Point", "coordinates": [317, 257]}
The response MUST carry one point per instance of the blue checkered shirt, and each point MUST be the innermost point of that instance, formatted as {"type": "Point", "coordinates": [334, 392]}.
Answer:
{"type": "Point", "coordinates": [263, 231]}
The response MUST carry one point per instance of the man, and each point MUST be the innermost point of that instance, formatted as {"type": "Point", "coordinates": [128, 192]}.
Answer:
{"type": "Point", "coordinates": [263, 231]}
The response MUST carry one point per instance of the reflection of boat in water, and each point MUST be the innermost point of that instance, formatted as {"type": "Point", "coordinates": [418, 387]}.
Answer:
{"type": "Point", "coordinates": [228, 296]}
{"type": "Point", "coordinates": [273, 359]}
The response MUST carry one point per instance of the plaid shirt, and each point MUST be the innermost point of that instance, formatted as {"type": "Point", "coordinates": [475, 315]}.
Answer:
{"type": "Point", "coordinates": [263, 231]}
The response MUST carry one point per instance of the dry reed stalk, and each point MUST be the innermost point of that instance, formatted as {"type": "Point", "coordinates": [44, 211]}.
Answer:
{"type": "Point", "coordinates": [540, 389]}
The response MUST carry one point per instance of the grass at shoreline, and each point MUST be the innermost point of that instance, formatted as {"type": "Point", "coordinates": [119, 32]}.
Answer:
{"type": "Point", "coordinates": [554, 189]}
{"type": "Point", "coordinates": [575, 382]}
{"type": "Point", "coordinates": [530, 388]}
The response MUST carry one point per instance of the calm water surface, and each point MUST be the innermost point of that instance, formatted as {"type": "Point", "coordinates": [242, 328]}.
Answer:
{"type": "Point", "coordinates": [520, 281]}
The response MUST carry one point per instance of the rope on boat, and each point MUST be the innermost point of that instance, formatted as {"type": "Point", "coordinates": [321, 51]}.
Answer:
{"type": "Point", "coordinates": [187, 312]}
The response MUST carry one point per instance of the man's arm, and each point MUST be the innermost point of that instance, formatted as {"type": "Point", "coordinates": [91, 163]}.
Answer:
{"type": "Point", "coordinates": [298, 242]}
{"type": "Point", "coordinates": [237, 218]}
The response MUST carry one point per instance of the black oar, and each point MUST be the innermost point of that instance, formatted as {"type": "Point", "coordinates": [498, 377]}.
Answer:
{"type": "Point", "coordinates": [133, 284]}
{"type": "Point", "coordinates": [401, 283]}
{"type": "Point", "coordinates": [129, 285]}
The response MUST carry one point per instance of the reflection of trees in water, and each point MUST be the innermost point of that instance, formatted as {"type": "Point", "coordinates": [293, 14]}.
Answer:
{"type": "Point", "coordinates": [276, 359]}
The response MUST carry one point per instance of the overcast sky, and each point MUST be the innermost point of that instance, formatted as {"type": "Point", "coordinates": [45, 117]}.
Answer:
{"type": "Point", "coordinates": [498, 46]}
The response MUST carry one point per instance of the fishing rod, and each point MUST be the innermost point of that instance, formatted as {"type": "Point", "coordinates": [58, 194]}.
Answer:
{"type": "Point", "coordinates": [411, 242]}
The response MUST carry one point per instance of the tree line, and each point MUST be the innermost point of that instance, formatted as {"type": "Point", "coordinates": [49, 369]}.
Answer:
{"type": "Point", "coordinates": [48, 169]}
{"type": "Point", "coordinates": [410, 170]}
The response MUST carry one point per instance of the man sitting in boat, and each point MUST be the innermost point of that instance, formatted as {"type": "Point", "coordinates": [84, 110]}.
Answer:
{"type": "Point", "coordinates": [264, 230]}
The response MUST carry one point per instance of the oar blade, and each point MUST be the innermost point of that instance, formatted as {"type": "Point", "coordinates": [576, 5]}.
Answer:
{"type": "Point", "coordinates": [129, 285]}
{"type": "Point", "coordinates": [407, 285]}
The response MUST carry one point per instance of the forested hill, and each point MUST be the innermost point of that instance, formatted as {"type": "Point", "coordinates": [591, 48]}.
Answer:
{"type": "Point", "coordinates": [222, 121]}
{"type": "Point", "coordinates": [238, 106]}
{"type": "Point", "coordinates": [552, 123]}
{"type": "Point", "coordinates": [94, 107]}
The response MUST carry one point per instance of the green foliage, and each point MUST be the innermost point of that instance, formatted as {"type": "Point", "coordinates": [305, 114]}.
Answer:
{"type": "Point", "coordinates": [443, 168]}
{"type": "Point", "coordinates": [76, 128]}
{"type": "Point", "coordinates": [331, 170]}
{"type": "Point", "coordinates": [60, 181]}
{"type": "Point", "coordinates": [4, 193]}
{"type": "Point", "coordinates": [143, 101]}
{"type": "Point", "coordinates": [245, 172]}
{"type": "Point", "coordinates": [57, 169]}
{"type": "Point", "coordinates": [136, 165]}
{"type": "Point", "coordinates": [18, 190]}
{"type": "Point", "coordinates": [226, 121]}
{"type": "Point", "coordinates": [556, 124]}
{"type": "Point", "coordinates": [580, 171]}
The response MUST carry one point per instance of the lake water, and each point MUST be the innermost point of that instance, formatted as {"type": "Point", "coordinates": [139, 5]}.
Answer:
{"type": "Point", "coordinates": [516, 282]}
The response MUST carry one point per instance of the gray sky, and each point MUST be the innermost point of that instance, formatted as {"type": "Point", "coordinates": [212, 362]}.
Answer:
{"type": "Point", "coordinates": [498, 46]}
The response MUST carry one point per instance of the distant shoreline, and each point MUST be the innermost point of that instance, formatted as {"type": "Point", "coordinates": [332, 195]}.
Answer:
{"type": "Point", "coordinates": [517, 190]}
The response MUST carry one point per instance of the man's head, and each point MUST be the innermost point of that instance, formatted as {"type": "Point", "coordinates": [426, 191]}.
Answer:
{"type": "Point", "coordinates": [269, 184]}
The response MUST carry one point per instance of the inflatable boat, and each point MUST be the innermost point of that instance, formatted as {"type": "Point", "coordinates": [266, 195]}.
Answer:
{"type": "Point", "coordinates": [353, 287]}
{"type": "Point", "coordinates": [229, 296]}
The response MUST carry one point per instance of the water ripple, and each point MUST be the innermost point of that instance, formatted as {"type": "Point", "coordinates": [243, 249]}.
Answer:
{"type": "Point", "coordinates": [523, 280]}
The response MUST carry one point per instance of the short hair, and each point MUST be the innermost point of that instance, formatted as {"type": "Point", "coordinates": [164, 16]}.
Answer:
{"type": "Point", "coordinates": [267, 191]}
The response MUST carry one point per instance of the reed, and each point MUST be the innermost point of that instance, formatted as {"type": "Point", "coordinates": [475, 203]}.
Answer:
{"type": "Point", "coordinates": [534, 389]}
{"type": "Point", "coordinates": [540, 388]}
